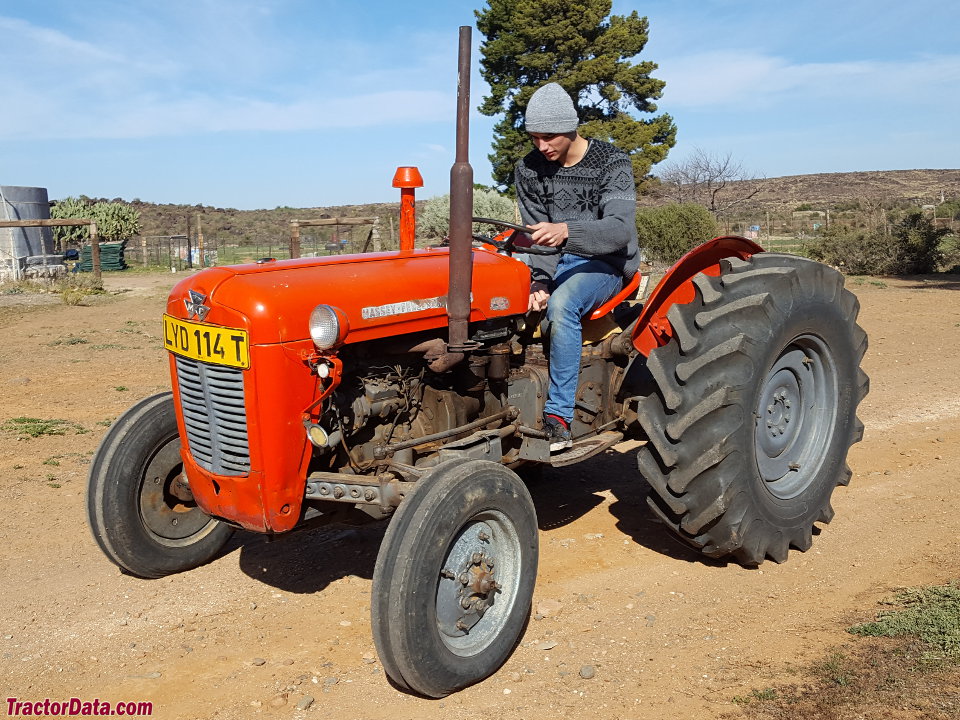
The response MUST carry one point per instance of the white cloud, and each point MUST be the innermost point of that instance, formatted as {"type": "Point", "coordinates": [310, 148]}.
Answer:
{"type": "Point", "coordinates": [734, 80]}
{"type": "Point", "coordinates": [59, 87]}
{"type": "Point", "coordinates": [146, 117]}
{"type": "Point", "coordinates": [20, 36]}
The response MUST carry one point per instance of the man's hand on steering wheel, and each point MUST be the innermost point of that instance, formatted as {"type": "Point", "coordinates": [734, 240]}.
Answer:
{"type": "Point", "coordinates": [508, 245]}
{"type": "Point", "coordinates": [549, 234]}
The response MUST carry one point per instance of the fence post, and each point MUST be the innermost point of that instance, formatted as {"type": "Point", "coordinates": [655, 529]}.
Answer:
{"type": "Point", "coordinates": [375, 232]}
{"type": "Point", "coordinates": [95, 252]}
{"type": "Point", "coordinates": [294, 239]}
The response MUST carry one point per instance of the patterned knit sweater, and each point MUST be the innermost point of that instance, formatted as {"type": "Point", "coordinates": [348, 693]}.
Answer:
{"type": "Point", "coordinates": [596, 198]}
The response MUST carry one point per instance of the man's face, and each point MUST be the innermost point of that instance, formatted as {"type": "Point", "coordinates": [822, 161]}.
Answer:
{"type": "Point", "coordinates": [554, 146]}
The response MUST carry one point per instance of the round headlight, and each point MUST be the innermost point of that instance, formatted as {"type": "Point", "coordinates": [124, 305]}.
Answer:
{"type": "Point", "coordinates": [328, 326]}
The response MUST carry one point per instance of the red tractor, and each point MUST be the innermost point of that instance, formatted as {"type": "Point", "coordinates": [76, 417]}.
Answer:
{"type": "Point", "coordinates": [410, 385]}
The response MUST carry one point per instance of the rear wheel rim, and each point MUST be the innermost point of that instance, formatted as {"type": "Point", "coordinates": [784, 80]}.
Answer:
{"type": "Point", "coordinates": [795, 416]}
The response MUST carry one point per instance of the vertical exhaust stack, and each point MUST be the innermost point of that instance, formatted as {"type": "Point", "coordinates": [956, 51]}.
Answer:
{"type": "Point", "coordinates": [461, 212]}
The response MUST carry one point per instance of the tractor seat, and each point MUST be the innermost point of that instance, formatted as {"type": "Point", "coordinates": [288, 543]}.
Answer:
{"type": "Point", "coordinates": [611, 317]}
{"type": "Point", "coordinates": [629, 292]}
{"type": "Point", "coordinates": [616, 313]}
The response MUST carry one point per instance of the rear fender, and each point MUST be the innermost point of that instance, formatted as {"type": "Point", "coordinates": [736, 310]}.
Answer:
{"type": "Point", "coordinates": [653, 329]}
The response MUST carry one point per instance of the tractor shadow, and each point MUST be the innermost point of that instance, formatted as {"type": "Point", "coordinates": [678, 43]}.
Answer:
{"type": "Point", "coordinates": [307, 561]}
{"type": "Point", "coordinates": [563, 495]}
{"type": "Point", "coordinates": [943, 281]}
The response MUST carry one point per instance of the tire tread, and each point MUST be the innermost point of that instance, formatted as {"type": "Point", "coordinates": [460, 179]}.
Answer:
{"type": "Point", "coordinates": [697, 419]}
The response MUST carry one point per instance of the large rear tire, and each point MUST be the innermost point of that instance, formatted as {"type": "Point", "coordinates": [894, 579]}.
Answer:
{"type": "Point", "coordinates": [755, 407]}
{"type": "Point", "coordinates": [133, 507]}
{"type": "Point", "coordinates": [454, 578]}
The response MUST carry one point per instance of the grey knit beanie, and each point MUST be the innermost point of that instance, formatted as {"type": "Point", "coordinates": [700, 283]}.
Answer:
{"type": "Point", "coordinates": [551, 110]}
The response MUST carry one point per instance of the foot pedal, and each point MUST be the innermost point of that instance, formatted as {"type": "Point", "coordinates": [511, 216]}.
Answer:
{"type": "Point", "coordinates": [587, 447]}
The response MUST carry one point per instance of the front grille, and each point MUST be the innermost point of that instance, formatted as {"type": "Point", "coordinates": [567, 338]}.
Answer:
{"type": "Point", "coordinates": [211, 398]}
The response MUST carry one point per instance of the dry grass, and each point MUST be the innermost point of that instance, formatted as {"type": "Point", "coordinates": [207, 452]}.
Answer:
{"type": "Point", "coordinates": [72, 289]}
{"type": "Point", "coordinates": [905, 667]}
{"type": "Point", "coordinates": [875, 679]}
{"type": "Point", "coordinates": [930, 614]}
{"type": "Point", "coordinates": [30, 427]}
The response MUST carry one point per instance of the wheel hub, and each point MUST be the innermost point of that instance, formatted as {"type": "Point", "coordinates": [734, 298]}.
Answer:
{"type": "Point", "coordinates": [782, 407]}
{"type": "Point", "coordinates": [164, 511]}
{"type": "Point", "coordinates": [795, 415]}
{"type": "Point", "coordinates": [468, 587]}
{"type": "Point", "coordinates": [478, 583]}
{"type": "Point", "coordinates": [778, 413]}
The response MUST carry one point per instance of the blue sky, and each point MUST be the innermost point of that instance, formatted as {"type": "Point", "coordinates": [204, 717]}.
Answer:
{"type": "Point", "coordinates": [257, 103]}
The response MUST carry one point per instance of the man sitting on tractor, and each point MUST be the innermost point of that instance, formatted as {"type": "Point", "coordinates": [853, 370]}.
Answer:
{"type": "Point", "coordinates": [578, 194]}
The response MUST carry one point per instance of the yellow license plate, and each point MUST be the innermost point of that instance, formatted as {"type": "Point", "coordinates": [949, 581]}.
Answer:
{"type": "Point", "coordinates": [206, 343]}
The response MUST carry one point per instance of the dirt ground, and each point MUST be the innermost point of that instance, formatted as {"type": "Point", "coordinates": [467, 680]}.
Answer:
{"type": "Point", "coordinates": [665, 632]}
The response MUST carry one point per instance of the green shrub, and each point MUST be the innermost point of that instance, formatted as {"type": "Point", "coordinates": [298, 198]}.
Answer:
{"type": "Point", "coordinates": [667, 232]}
{"type": "Point", "coordinates": [949, 209]}
{"type": "Point", "coordinates": [68, 235]}
{"type": "Point", "coordinates": [950, 247]}
{"type": "Point", "coordinates": [856, 252]}
{"type": "Point", "coordinates": [913, 246]}
{"type": "Point", "coordinates": [920, 244]}
{"type": "Point", "coordinates": [115, 221]}
{"type": "Point", "coordinates": [433, 221]}
{"type": "Point", "coordinates": [931, 614]}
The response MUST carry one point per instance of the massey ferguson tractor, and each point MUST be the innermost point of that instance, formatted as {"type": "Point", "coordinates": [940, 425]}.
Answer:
{"type": "Point", "coordinates": [409, 386]}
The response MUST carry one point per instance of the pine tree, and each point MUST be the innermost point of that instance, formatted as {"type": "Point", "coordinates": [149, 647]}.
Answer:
{"type": "Point", "coordinates": [592, 56]}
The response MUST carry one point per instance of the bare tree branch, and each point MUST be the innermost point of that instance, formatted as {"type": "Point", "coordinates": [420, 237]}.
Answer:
{"type": "Point", "coordinates": [705, 179]}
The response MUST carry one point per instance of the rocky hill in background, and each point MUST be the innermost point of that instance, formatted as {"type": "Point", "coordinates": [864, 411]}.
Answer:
{"type": "Point", "coordinates": [776, 195]}
{"type": "Point", "coordinates": [918, 187]}
{"type": "Point", "coordinates": [831, 191]}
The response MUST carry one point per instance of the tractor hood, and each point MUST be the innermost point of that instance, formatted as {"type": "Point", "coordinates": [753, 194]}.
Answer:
{"type": "Point", "coordinates": [380, 294]}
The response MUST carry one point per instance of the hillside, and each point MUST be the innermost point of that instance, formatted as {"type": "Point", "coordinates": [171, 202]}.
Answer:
{"type": "Point", "coordinates": [775, 195]}
{"type": "Point", "coordinates": [832, 189]}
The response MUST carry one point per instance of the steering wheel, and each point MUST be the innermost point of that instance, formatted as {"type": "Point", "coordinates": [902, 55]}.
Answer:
{"type": "Point", "coordinates": [507, 245]}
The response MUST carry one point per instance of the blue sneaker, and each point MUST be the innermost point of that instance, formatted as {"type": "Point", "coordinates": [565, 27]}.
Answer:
{"type": "Point", "coordinates": [558, 432]}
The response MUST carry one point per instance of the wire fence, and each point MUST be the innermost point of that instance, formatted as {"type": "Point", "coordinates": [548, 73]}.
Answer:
{"type": "Point", "coordinates": [782, 244]}
{"type": "Point", "coordinates": [788, 232]}
{"type": "Point", "coordinates": [178, 252]}
{"type": "Point", "coordinates": [796, 231]}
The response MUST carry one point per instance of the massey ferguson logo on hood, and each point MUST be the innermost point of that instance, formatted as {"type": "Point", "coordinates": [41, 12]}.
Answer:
{"type": "Point", "coordinates": [195, 307]}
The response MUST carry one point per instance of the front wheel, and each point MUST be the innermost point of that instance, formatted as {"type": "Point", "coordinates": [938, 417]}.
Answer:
{"type": "Point", "coordinates": [141, 516]}
{"type": "Point", "coordinates": [755, 407]}
{"type": "Point", "coordinates": [454, 577]}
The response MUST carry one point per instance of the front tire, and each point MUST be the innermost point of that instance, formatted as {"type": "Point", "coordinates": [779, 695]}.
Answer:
{"type": "Point", "coordinates": [132, 505]}
{"type": "Point", "coordinates": [454, 578]}
{"type": "Point", "coordinates": [755, 407]}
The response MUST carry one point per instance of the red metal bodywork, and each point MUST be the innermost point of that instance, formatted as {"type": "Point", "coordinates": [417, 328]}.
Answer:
{"type": "Point", "coordinates": [379, 295]}
{"type": "Point", "coordinates": [273, 301]}
{"type": "Point", "coordinates": [653, 329]}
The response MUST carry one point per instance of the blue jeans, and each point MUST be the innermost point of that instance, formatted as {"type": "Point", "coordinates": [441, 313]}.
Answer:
{"type": "Point", "coordinates": [580, 285]}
